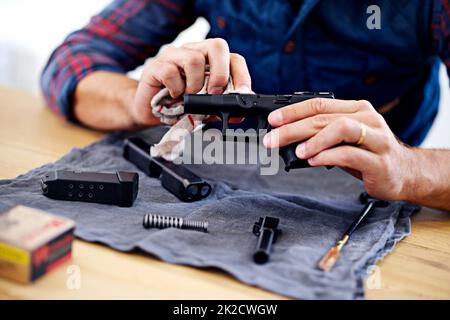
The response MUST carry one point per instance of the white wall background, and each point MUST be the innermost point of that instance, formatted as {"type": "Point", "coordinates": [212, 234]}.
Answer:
{"type": "Point", "coordinates": [29, 30]}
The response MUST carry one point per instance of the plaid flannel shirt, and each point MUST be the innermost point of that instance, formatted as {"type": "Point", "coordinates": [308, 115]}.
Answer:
{"type": "Point", "coordinates": [127, 32]}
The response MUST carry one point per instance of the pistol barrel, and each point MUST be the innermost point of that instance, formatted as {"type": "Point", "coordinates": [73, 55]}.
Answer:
{"type": "Point", "coordinates": [264, 246]}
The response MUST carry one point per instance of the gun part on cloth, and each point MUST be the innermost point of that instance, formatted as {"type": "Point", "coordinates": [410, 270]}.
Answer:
{"type": "Point", "coordinates": [267, 231]}
{"type": "Point", "coordinates": [119, 188]}
{"type": "Point", "coordinates": [163, 222]}
{"type": "Point", "coordinates": [177, 179]}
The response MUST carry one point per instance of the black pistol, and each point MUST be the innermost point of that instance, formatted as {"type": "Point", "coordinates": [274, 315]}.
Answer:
{"type": "Point", "coordinates": [266, 229]}
{"type": "Point", "coordinates": [258, 106]}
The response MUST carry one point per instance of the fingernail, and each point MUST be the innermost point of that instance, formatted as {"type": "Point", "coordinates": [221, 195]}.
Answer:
{"type": "Point", "coordinates": [301, 150]}
{"type": "Point", "coordinates": [244, 89]}
{"type": "Point", "coordinates": [267, 140]}
{"type": "Point", "coordinates": [276, 117]}
{"type": "Point", "coordinates": [215, 90]}
{"type": "Point", "coordinates": [312, 161]}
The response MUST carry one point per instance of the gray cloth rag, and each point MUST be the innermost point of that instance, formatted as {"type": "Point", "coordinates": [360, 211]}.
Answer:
{"type": "Point", "coordinates": [315, 207]}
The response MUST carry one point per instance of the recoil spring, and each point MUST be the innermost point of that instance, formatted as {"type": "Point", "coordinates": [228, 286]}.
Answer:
{"type": "Point", "coordinates": [163, 222]}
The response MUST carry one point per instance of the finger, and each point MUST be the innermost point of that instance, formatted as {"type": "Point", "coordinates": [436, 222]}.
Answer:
{"type": "Point", "coordinates": [144, 93]}
{"type": "Point", "coordinates": [168, 75]}
{"type": "Point", "coordinates": [302, 129]}
{"type": "Point", "coordinates": [149, 85]}
{"type": "Point", "coordinates": [350, 157]}
{"type": "Point", "coordinates": [193, 64]}
{"type": "Point", "coordinates": [141, 110]}
{"type": "Point", "coordinates": [342, 130]}
{"type": "Point", "coordinates": [218, 56]}
{"type": "Point", "coordinates": [239, 71]}
{"type": "Point", "coordinates": [314, 107]}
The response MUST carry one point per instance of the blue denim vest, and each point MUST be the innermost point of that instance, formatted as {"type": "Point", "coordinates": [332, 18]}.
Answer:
{"type": "Point", "coordinates": [327, 46]}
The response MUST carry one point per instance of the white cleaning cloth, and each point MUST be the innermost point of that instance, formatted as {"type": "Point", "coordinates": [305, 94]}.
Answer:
{"type": "Point", "coordinates": [171, 112]}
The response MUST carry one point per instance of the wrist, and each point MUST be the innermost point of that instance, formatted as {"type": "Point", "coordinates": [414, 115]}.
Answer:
{"type": "Point", "coordinates": [429, 179]}
{"type": "Point", "coordinates": [422, 177]}
{"type": "Point", "coordinates": [125, 99]}
{"type": "Point", "coordinates": [411, 174]}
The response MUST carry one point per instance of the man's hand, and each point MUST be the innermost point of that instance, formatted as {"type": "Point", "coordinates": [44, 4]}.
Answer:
{"type": "Point", "coordinates": [330, 130]}
{"type": "Point", "coordinates": [182, 70]}
{"type": "Point", "coordinates": [111, 101]}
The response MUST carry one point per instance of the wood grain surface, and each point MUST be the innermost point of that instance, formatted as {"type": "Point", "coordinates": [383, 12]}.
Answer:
{"type": "Point", "coordinates": [31, 135]}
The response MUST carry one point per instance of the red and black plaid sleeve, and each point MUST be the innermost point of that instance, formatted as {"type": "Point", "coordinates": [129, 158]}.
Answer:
{"type": "Point", "coordinates": [118, 39]}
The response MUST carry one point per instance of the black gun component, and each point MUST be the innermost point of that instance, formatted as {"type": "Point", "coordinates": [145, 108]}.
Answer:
{"type": "Point", "coordinates": [120, 188]}
{"type": "Point", "coordinates": [266, 229]}
{"type": "Point", "coordinates": [258, 106]}
{"type": "Point", "coordinates": [177, 179]}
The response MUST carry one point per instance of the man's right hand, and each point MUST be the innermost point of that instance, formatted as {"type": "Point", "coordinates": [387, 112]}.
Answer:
{"type": "Point", "coordinates": [191, 59]}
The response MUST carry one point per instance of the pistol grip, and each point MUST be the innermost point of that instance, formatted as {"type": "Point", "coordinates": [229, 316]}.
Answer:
{"type": "Point", "coordinates": [263, 124]}
{"type": "Point", "coordinates": [290, 159]}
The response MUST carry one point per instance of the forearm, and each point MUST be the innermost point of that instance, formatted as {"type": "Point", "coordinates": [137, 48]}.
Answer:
{"type": "Point", "coordinates": [429, 182]}
{"type": "Point", "coordinates": [102, 101]}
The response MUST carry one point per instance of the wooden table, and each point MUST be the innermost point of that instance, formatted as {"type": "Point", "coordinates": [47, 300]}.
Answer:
{"type": "Point", "coordinates": [30, 136]}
